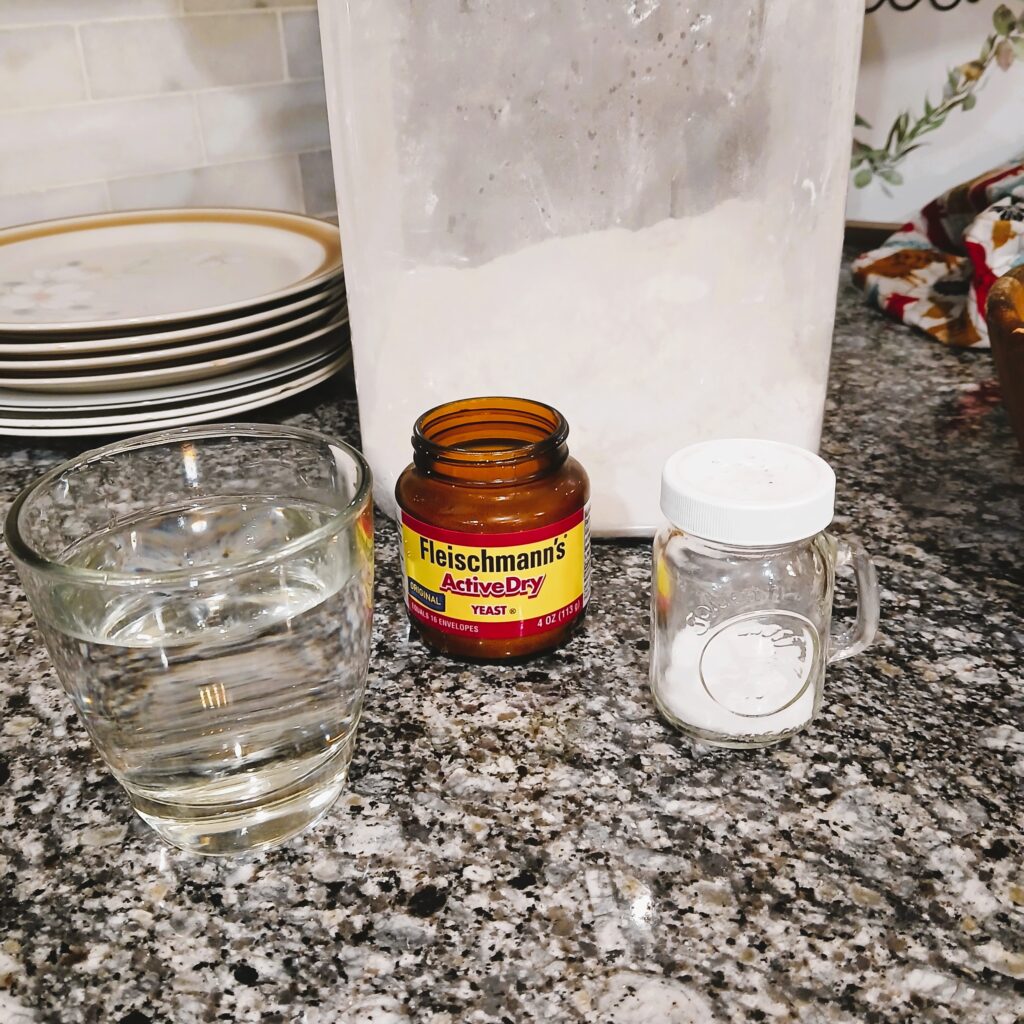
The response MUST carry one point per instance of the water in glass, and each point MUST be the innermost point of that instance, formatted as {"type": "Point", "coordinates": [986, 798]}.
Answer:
{"type": "Point", "coordinates": [228, 713]}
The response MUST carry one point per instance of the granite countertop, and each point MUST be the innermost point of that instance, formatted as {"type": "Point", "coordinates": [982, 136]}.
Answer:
{"type": "Point", "coordinates": [533, 844]}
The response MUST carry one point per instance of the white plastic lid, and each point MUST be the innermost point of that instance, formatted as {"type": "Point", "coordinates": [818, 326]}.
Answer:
{"type": "Point", "coordinates": [748, 493]}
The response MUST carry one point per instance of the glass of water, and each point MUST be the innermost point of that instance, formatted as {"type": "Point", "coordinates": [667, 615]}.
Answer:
{"type": "Point", "coordinates": [206, 597]}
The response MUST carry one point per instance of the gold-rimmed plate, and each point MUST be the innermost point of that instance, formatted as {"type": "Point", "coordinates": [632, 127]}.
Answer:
{"type": "Point", "coordinates": [198, 411]}
{"type": "Point", "coordinates": [71, 344]}
{"type": "Point", "coordinates": [153, 268]}
{"type": "Point", "coordinates": [41, 404]}
{"type": "Point", "coordinates": [172, 373]}
{"type": "Point", "coordinates": [142, 358]}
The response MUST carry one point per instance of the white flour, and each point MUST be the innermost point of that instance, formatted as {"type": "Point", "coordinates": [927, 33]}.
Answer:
{"type": "Point", "coordinates": [646, 341]}
{"type": "Point", "coordinates": [630, 211]}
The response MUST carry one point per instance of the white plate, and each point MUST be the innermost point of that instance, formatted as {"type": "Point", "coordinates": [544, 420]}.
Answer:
{"type": "Point", "coordinates": [197, 413]}
{"type": "Point", "coordinates": [148, 356]}
{"type": "Point", "coordinates": [154, 267]}
{"type": "Point", "coordinates": [174, 373]}
{"type": "Point", "coordinates": [71, 344]}
{"type": "Point", "coordinates": [29, 403]}
{"type": "Point", "coordinates": [127, 415]}
{"type": "Point", "coordinates": [120, 414]}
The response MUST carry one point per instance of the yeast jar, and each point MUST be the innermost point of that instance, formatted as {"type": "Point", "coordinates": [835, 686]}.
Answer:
{"type": "Point", "coordinates": [494, 516]}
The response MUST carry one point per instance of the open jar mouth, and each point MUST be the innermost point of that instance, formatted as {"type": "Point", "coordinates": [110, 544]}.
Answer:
{"type": "Point", "coordinates": [182, 443]}
{"type": "Point", "coordinates": [490, 432]}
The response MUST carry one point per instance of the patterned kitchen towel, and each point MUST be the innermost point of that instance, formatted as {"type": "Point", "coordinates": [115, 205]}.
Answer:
{"type": "Point", "coordinates": [936, 271]}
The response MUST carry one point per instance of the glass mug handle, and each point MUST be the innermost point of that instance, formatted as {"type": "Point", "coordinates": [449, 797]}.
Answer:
{"type": "Point", "coordinates": [848, 642]}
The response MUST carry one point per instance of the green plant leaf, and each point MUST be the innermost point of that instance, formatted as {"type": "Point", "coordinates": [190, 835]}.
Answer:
{"type": "Point", "coordinates": [891, 137]}
{"type": "Point", "coordinates": [863, 156]}
{"type": "Point", "coordinates": [1005, 47]}
{"type": "Point", "coordinates": [1004, 20]}
{"type": "Point", "coordinates": [859, 122]}
{"type": "Point", "coordinates": [898, 131]}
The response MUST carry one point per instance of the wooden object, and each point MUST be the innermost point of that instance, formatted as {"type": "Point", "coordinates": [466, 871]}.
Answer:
{"type": "Point", "coordinates": [1005, 314]}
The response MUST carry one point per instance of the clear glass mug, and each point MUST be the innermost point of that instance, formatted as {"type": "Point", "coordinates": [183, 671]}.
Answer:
{"type": "Point", "coordinates": [741, 636]}
{"type": "Point", "coordinates": [205, 595]}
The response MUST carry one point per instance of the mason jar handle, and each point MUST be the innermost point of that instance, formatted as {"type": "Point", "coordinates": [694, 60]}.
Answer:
{"type": "Point", "coordinates": [848, 642]}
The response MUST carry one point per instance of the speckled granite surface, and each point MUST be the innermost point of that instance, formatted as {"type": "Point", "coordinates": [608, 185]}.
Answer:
{"type": "Point", "coordinates": [533, 844]}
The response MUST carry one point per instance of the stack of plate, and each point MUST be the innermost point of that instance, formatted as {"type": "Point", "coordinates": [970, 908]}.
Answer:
{"type": "Point", "coordinates": [119, 322]}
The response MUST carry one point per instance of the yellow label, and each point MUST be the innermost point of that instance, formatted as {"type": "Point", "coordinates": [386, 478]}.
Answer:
{"type": "Point", "coordinates": [497, 585]}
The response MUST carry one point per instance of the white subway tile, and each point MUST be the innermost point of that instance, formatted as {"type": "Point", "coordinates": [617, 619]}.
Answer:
{"type": "Point", "coordinates": [263, 120]}
{"type": "Point", "coordinates": [39, 67]}
{"type": "Point", "coordinates": [50, 204]}
{"type": "Point", "coordinates": [27, 12]}
{"type": "Point", "coordinates": [302, 44]}
{"type": "Point", "coordinates": [272, 184]}
{"type": "Point", "coordinates": [243, 5]}
{"type": "Point", "coordinates": [318, 183]}
{"type": "Point", "coordinates": [96, 141]}
{"type": "Point", "coordinates": [153, 55]}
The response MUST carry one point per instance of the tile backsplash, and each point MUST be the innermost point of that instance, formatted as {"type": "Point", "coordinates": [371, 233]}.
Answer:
{"type": "Point", "coordinates": [125, 104]}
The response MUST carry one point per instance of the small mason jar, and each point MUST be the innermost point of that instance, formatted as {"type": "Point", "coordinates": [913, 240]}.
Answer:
{"type": "Point", "coordinates": [744, 576]}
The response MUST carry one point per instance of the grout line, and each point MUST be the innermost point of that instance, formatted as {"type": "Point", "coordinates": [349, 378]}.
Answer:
{"type": "Point", "coordinates": [197, 120]}
{"type": "Point", "coordinates": [60, 184]}
{"type": "Point", "coordinates": [102, 183]}
{"type": "Point", "coordinates": [55, 188]}
{"type": "Point", "coordinates": [86, 80]}
{"type": "Point", "coordinates": [285, 68]}
{"type": "Point", "coordinates": [186, 170]}
{"type": "Point", "coordinates": [302, 183]}
{"type": "Point", "coordinates": [113, 179]}
{"type": "Point", "coordinates": [140, 97]}
{"type": "Point", "coordinates": [179, 13]}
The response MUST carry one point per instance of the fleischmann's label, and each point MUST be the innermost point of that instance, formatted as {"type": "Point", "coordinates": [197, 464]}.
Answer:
{"type": "Point", "coordinates": [497, 586]}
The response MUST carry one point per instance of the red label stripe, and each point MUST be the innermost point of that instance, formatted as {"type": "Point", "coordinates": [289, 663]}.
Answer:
{"type": "Point", "coordinates": [496, 630]}
{"type": "Point", "coordinates": [493, 540]}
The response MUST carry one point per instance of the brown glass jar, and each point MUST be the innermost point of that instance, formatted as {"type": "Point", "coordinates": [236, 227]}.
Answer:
{"type": "Point", "coordinates": [495, 532]}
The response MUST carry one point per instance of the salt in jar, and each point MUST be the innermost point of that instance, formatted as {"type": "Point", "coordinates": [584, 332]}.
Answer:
{"type": "Point", "coordinates": [744, 576]}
